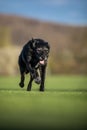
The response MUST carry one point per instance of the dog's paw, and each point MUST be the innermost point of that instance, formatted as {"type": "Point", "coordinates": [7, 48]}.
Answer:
{"type": "Point", "coordinates": [41, 89]}
{"type": "Point", "coordinates": [28, 89]}
{"type": "Point", "coordinates": [37, 80]}
{"type": "Point", "coordinates": [21, 85]}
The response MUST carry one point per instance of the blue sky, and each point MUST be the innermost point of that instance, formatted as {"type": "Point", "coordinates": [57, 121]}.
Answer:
{"type": "Point", "coordinates": [72, 12]}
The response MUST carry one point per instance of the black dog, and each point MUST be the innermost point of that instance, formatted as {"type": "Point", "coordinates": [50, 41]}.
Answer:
{"type": "Point", "coordinates": [33, 58]}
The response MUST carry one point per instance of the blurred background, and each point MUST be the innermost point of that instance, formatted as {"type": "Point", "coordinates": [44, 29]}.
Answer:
{"type": "Point", "coordinates": [63, 23]}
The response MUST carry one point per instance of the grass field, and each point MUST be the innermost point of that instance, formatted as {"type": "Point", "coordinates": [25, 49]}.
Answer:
{"type": "Point", "coordinates": [63, 105]}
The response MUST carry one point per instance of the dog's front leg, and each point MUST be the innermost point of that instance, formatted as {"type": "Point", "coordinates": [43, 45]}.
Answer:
{"type": "Point", "coordinates": [30, 83]}
{"type": "Point", "coordinates": [30, 69]}
{"type": "Point", "coordinates": [22, 80]}
{"type": "Point", "coordinates": [42, 73]}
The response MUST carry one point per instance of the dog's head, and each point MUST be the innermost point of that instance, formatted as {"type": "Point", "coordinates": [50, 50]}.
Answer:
{"type": "Point", "coordinates": [41, 49]}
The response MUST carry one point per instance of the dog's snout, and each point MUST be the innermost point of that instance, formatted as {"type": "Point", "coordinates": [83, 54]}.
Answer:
{"type": "Point", "coordinates": [41, 58]}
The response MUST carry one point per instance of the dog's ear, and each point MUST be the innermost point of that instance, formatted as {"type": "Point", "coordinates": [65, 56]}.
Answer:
{"type": "Point", "coordinates": [32, 43]}
{"type": "Point", "coordinates": [32, 40]}
{"type": "Point", "coordinates": [48, 46]}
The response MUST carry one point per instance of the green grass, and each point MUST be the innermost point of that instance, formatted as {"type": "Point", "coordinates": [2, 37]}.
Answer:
{"type": "Point", "coordinates": [63, 105]}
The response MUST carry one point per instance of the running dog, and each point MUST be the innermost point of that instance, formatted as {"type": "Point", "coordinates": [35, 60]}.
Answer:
{"type": "Point", "coordinates": [33, 59]}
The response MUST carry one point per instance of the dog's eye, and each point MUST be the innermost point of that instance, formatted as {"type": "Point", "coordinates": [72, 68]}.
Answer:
{"type": "Point", "coordinates": [39, 50]}
{"type": "Point", "coordinates": [46, 51]}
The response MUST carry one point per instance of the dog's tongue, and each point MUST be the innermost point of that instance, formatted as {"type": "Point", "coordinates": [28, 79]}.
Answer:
{"type": "Point", "coordinates": [42, 62]}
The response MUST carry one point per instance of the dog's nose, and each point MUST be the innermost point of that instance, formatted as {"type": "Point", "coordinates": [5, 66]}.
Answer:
{"type": "Point", "coordinates": [41, 58]}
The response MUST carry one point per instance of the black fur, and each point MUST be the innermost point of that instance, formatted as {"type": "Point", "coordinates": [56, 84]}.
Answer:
{"type": "Point", "coordinates": [33, 57]}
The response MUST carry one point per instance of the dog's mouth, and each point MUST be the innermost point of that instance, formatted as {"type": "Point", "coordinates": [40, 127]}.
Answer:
{"type": "Point", "coordinates": [42, 62]}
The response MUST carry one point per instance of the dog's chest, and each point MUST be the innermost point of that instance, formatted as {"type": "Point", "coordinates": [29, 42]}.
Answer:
{"type": "Point", "coordinates": [34, 63]}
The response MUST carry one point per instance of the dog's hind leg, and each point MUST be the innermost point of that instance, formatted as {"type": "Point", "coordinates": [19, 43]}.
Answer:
{"type": "Point", "coordinates": [30, 83]}
{"type": "Point", "coordinates": [22, 80]}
